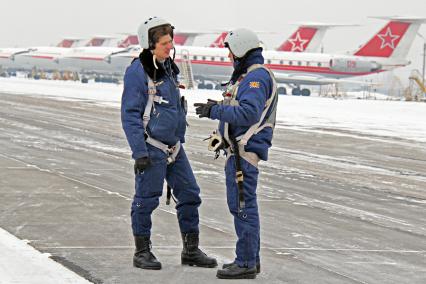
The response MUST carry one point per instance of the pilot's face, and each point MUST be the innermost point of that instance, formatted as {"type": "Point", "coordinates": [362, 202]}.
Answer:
{"type": "Point", "coordinates": [163, 47]}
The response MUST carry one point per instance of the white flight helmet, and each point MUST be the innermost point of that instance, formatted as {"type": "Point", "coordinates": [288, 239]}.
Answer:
{"type": "Point", "coordinates": [240, 41]}
{"type": "Point", "coordinates": [143, 31]}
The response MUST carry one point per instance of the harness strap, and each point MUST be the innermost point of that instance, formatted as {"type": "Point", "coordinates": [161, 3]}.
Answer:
{"type": "Point", "coordinates": [151, 94]}
{"type": "Point", "coordinates": [169, 195]}
{"type": "Point", "coordinates": [152, 97]}
{"type": "Point", "coordinates": [239, 178]}
{"type": "Point", "coordinates": [172, 152]}
{"type": "Point", "coordinates": [254, 129]}
{"type": "Point", "coordinates": [160, 145]}
{"type": "Point", "coordinates": [230, 99]}
{"type": "Point", "coordinates": [251, 157]}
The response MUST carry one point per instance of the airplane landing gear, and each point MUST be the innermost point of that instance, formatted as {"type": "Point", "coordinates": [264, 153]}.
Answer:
{"type": "Point", "coordinates": [301, 92]}
{"type": "Point", "coordinates": [282, 91]}
{"type": "Point", "coordinates": [306, 92]}
{"type": "Point", "coordinates": [296, 92]}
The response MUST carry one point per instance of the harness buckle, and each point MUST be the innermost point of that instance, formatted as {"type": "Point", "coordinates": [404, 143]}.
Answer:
{"type": "Point", "coordinates": [163, 101]}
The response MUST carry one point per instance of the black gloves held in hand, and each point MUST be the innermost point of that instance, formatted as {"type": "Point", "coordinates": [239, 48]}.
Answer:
{"type": "Point", "coordinates": [203, 110]}
{"type": "Point", "coordinates": [142, 164]}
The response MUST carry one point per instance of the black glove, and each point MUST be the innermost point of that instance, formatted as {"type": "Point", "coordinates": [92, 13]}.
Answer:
{"type": "Point", "coordinates": [142, 164]}
{"type": "Point", "coordinates": [203, 110]}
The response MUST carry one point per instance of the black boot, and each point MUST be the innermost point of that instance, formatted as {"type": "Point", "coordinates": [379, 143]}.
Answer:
{"type": "Point", "coordinates": [225, 265]}
{"type": "Point", "coordinates": [192, 255]}
{"type": "Point", "coordinates": [143, 257]}
{"type": "Point", "coordinates": [235, 272]}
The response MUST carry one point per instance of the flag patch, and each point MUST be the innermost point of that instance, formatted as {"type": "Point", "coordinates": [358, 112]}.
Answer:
{"type": "Point", "coordinates": [254, 85]}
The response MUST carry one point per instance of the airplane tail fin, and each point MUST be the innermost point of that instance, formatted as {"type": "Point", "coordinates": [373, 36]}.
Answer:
{"type": "Point", "coordinates": [301, 39]}
{"type": "Point", "coordinates": [96, 41]}
{"type": "Point", "coordinates": [186, 37]}
{"type": "Point", "coordinates": [393, 40]}
{"type": "Point", "coordinates": [308, 37]}
{"type": "Point", "coordinates": [102, 41]}
{"type": "Point", "coordinates": [128, 41]}
{"type": "Point", "coordinates": [65, 43]}
{"type": "Point", "coordinates": [219, 41]}
{"type": "Point", "coordinates": [69, 42]}
{"type": "Point", "coordinates": [179, 39]}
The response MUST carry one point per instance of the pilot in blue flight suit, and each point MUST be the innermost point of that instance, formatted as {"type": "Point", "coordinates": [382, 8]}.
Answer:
{"type": "Point", "coordinates": [246, 122]}
{"type": "Point", "coordinates": [153, 115]}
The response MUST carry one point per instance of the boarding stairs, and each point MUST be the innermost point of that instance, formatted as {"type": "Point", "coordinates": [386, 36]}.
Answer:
{"type": "Point", "coordinates": [186, 68]}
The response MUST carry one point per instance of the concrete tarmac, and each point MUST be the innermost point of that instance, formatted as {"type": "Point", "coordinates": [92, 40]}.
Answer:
{"type": "Point", "coordinates": [336, 206]}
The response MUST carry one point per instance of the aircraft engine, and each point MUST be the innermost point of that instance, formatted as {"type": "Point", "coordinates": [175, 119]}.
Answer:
{"type": "Point", "coordinates": [354, 65]}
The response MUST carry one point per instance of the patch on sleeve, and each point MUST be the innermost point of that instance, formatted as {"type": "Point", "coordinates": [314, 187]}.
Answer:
{"type": "Point", "coordinates": [254, 84]}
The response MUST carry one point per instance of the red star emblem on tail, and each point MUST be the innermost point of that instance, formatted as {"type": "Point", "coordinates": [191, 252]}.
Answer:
{"type": "Point", "coordinates": [298, 43]}
{"type": "Point", "coordinates": [388, 39]}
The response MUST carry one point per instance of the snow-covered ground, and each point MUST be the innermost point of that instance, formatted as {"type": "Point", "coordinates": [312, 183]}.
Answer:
{"type": "Point", "coordinates": [21, 263]}
{"type": "Point", "coordinates": [375, 117]}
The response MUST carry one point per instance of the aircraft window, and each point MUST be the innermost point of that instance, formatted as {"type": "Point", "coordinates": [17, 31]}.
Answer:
{"type": "Point", "coordinates": [307, 63]}
{"type": "Point", "coordinates": [212, 58]}
{"type": "Point", "coordinates": [281, 62]}
{"type": "Point", "coordinates": [204, 58]}
{"type": "Point", "coordinates": [269, 61]}
{"type": "Point", "coordinates": [222, 59]}
{"type": "Point", "coordinates": [319, 64]}
{"type": "Point", "coordinates": [185, 57]}
{"type": "Point", "coordinates": [195, 57]}
{"type": "Point", "coordinates": [299, 63]}
{"type": "Point", "coordinates": [290, 63]}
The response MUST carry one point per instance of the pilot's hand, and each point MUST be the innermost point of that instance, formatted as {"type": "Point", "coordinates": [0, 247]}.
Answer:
{"type": "Point", "coordinates": [142, 164]}
{"type": "Point", "coordinates": [204, 109]}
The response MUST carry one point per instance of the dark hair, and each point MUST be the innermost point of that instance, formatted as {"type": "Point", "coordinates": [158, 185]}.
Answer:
{"type": "Point", "coordinates": [156, 33]}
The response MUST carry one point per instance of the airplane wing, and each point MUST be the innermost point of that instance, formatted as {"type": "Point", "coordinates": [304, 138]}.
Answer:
{"type": "Point", "coordinates": [313, 80]}
{"type": "Point", "coordinates": [11, 52]}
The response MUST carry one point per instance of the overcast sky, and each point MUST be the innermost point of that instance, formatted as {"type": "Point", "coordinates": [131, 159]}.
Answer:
{"type": "Point", "coordinates": [44, 22]}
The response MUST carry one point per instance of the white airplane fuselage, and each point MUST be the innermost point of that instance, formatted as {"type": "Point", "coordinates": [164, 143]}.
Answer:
{"type": "Point", "coordinates": [43, 58]}
{"type": "Point", "coordinates": [214, 64]}
{"type": "Point", "coordinates": [88, 59]}
{"type": "Point", "coordinates": [8, 56]}
{"type": "Point", "coordinates": [386, 50]}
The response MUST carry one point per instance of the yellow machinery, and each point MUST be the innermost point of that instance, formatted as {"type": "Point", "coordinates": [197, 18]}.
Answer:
{"type": "Point", "coordinates": [416, 90]}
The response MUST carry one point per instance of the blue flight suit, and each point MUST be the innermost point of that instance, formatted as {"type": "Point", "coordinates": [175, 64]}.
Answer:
{"type": "Point", "coordinates": [253, 92]}
{"type": "Point", "coordinates": [167, 125]}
